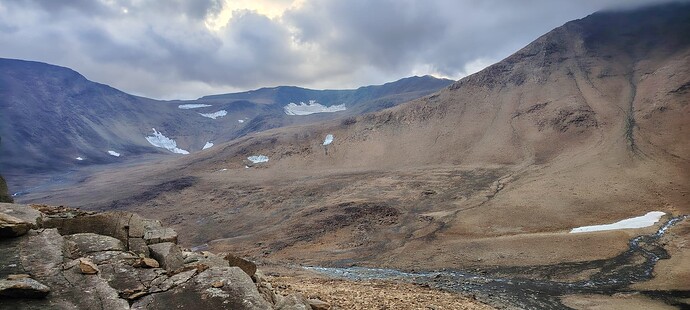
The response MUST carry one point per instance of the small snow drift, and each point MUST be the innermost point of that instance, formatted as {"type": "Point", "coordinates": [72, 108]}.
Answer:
{"type": "Point", "coordinates": [159, 140]}
{"type": "Point", "coordinates": [258, 159]}
{"type": "Point", "coordinates": [207, 145]}
{"type": "Point", "coordinates": [328, 140]}
{"type": "Point", "coordinates": [113, 153]}
{"type": "Point", "coordinates": [311, 108]}
{"type": "Point", "coordinates": [79, 158]}
{"type": "Point", "coordinates": [215, 115]}
{"type": "Point", "coordinates": [240, 121]}
{"type": "Point", "coordinates": [193, 106]}
{"type": "Point", "coordinates": [636, 222]}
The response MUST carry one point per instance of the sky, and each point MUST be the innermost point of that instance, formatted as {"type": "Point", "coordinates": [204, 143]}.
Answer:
{"type": "Point", "coordinates": [185, 49]}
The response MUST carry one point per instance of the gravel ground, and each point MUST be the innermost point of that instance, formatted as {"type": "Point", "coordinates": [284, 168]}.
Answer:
{"type": "Point", "coordinates": [343, 294]}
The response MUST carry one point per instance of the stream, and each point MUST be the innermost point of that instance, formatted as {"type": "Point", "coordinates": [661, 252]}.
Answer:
{"type": "Point", "coordinates": [537, 287]}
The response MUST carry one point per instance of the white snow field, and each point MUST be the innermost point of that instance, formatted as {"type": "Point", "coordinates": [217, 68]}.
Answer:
{"type": "Point", "coordinates": [328, 140]}
{"type": "Point", "coordinates": [193, 106]}
{"type": "Point", "coordinates": [311, 108]}
{"type": "Point", "coordinates": [215, 115]}
{"type": "Point", "coordinates": [258, 159]}
{"type": "Point", "coordinates": [636, 222]}
{"type": "Point", "coordinates": [113, 153]}
{"type": "Point", "coordinates": [207, 145]}
{"type": "Point", "coordinates": [159, 140]}
{"type": "Point", "coordinates": [80, 158]}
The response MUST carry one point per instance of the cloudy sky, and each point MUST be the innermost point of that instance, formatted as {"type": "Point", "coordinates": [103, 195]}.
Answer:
{"type": "Point", "coordinates": [188, 48]}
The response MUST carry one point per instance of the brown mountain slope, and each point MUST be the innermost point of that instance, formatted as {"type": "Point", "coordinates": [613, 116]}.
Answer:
{"type": "Point", "coordinates": [587, 125]}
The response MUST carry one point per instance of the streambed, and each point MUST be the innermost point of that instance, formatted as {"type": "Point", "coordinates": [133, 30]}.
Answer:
{"type": "Point", "coordinates": [536, 287]}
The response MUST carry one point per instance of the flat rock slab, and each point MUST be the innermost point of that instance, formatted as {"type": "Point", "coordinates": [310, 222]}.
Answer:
{"type": "Point", "coordinates": [160, 236]}
{"type": "Point", "coordinates": [204, 258]}
{"type": "Point", "coordinates": [23, 212]}
{"type": "Point", "coordinates": [238, 292]}
{"type": "Point", "coordinates": [10, 262]}
{"type": "Point", "coordinates": [11, 226]}
{"type": "Point", "coordinates": [86, 243]}
{"type": "Point", "coordinates": [113, 224]}
{"type": "Point", "coordinates": [23, 288]}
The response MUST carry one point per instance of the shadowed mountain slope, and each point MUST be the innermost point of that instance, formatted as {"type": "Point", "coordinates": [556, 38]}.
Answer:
{"type": "Point", "coordinates": [55, 120]}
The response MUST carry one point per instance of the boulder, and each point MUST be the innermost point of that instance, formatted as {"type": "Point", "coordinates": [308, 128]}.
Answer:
{"type": "Point", "coordinates": [113, 224]}
{"type": "Point", "coordinates": [292, 302]}
{"type": "Point", "coordinates": [160, 236]}
{"type": "Point", "coordinates": [11, 226]}
{"type": "Point", "coordinates": [23, 288]}
{"type": "Point", "coordinates": [247, 266]}
{"type": "Point", "coordinates": [161, 284]}
{"type": "Point", "coordinates": [87, 266]}
{"type": "Point", "coordinates": [86, 243]}
{"type": "Point", "coordinates": [207, 259]}
{"type": "Point", "coordinates": [136, 226]}
{"type": "Point", "coordinates": [168, 255]}
{"type": "Point", "coordinates": [266, 291]}
{"type": "Point", "coordinates": [317, 304]}
{"type": "Point", "coordinates": [127, 279]}
{"type": "Point", "coordinates": [146, 262]}
{"type": "Point", "coordinates": [22, 212]}
{"type": "Point", "coordinates": [138, 246]}
{"type": "Point", "coordinates": [41, 254]}
{"type": "Point", "coordinates": [238, 292]}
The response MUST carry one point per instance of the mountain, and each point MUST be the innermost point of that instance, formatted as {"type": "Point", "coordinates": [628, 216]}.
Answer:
{"type": "Point", "coordinates": [587, 125]}
{"type": "Point", "coordinates": [55, 120]}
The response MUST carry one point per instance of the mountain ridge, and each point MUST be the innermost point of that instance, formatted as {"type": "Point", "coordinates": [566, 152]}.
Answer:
{"type": "Point", "coordinates": [55, 119]}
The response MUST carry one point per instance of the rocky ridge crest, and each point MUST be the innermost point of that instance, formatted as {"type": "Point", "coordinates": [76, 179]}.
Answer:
{"type": "Point", "coordinates": [62, 258]}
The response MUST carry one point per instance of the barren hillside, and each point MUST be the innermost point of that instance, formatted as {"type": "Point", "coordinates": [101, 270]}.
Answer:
{"type": "Point", "coordinates": [587, 125]}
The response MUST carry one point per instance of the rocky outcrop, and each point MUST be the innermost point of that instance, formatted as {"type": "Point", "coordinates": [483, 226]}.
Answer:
{"type": "Point", "coordinates": [61, 258]}
{"type": "Point", "coordinates": [4, 191]}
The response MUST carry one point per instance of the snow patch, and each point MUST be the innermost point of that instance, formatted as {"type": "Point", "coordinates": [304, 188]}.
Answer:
{"type": "Point", "coordinates": [207, 145]}
{"type": "Point", "coordinates": [258, 159]}
{"type": "Point", "coordinates": [193, 106]}
{"type": "Point", "coordinates": [113, 153]}
{"type": "Point", "coordinates": [240, 121]}
{"type": "Point", "coordinates": [79, 158]}
{"type": "Point", "coordinates": [159, 140]}
{"type": "Point", "coordinates": [636, 222]}
{"type": "Point", "coordinates": [215, 115]}
{"type": "Point", "coordinates": [328, 140]}
{"type": "Point", "coordinates": [311, 108]}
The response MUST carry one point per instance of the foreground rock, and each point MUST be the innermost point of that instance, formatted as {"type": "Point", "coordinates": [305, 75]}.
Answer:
{"type": "Point", "coordinates": [61, 258]}
{"type": "Point", "coordinates": [23, 288]}
{"type": "Point", "coordinates": [4, 192]}
{"type": "Point", "coordinates": [16, 220]}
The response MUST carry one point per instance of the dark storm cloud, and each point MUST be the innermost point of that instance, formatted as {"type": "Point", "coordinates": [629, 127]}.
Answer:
{"type": "Point", "coordinates": [164, 49]}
